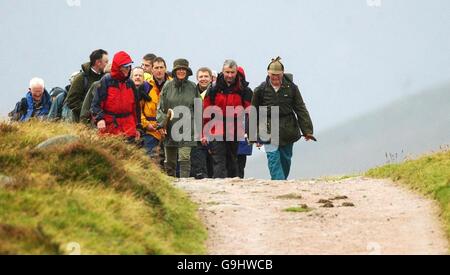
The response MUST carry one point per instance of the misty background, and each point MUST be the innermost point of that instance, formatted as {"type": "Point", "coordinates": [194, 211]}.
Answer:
{"type": "Point", "coordinates": [375, 74]}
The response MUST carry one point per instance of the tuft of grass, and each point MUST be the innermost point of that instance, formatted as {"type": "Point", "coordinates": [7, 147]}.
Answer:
{"type": "Point", "coordinates": [100, 192]}
{"type": "Point", "coordinates": [338, 177]}
{"type": "Point", "coordinates": [17, 238]}
{"type": "Point", "coordinates": [6, 128]}
{"type": "Point", "coordinates": [291, 196]}
{"type": "Point", "coordinates": [429, 175]}
{"type": "Point", "coordinates": [298, 209]}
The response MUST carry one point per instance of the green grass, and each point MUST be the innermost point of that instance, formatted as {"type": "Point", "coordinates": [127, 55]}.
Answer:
{"type": "Point", "coordinates": [338, 178]}
{"type": "Point", "coordinates": [101, 193]}
{"type": "Point", "coordinates": [298, 209]}
{"type": "Point", "coordinates": [429, 175]}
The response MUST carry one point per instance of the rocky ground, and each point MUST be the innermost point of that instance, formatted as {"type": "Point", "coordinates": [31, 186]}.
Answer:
{"type": "Point", "coordinates": [350, 216]}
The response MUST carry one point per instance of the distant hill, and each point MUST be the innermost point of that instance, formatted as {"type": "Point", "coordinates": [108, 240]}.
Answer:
{"type": "Point", "coordinates": [409, 126]}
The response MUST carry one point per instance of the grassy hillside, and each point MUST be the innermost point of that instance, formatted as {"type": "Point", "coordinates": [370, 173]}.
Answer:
{"type": "Point", "coordinates": [429, 175]}
{"type": "Point", "coordinates": [99, 193]}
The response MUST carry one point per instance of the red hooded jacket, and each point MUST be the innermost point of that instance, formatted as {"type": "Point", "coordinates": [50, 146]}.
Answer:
{"type": "Point", "coordinates": [116, 100]}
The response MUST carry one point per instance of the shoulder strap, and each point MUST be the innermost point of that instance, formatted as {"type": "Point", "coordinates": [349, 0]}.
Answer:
{"type": "Point", "coordinates": [105, 83]}
{"type": "Point", "coordinates": [136, 102]}
{"type": "Point", "coordinates": [291, 83]}
{"type": "Point", "coordinates": [212, 94]}
{"type": "Point", "coordinates": [260, 95]}
{"type": "Point", "coordinates": [85, 82]}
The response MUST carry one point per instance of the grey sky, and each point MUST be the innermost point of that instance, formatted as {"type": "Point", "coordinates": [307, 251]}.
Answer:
{"type": "Point", "coordinates": [348, 57]}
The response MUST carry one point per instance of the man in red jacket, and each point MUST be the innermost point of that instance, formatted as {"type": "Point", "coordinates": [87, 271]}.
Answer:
{"type": "Point", "coordinates": [115, 107]}
{"type": "Point", "coordinates": [230, 90]}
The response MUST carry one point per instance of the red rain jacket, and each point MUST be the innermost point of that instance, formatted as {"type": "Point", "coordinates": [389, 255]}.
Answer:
{"type": "Point", "coordinates": [116, 100]}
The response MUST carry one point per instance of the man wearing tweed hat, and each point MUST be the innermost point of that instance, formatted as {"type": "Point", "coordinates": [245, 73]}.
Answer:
{"type": "Point", "coordinates": [279, 91]}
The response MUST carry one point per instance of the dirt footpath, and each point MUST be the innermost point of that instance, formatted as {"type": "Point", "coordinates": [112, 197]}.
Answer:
{"type": "Point", "coordinates": [352, 216]}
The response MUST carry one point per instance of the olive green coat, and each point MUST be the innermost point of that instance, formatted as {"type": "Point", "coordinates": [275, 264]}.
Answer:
{"type": "Point", "coordinates": [294, 118]}
{"type": "Point", "coordinates": [175, 94]}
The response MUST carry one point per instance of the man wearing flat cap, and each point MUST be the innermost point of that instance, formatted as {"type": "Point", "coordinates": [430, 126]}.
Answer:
{"type": "Point", "coordinates": [294, 120]}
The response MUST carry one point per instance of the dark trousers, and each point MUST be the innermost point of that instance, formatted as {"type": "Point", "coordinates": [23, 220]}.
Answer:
{"type": "Point", "coordinates": [150, 145]}
{"type": "Point", "coordinates": [199, 158]}
{"type": "Point", "coordinates": [210, 166]}
{"type": "Point", "coordinates": [162, 155]}
{"type": "Point", "coordinates": [224, 157]}
{"type": "Point", "coordinates": [242, 160]}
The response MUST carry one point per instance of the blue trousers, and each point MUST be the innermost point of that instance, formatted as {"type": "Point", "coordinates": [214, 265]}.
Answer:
{"type": "Point", "coordinates": [150, 144]}
{"type": "Point", "coordinates": [280, 162]}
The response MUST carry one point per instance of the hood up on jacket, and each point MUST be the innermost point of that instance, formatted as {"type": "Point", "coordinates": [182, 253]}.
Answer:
{"type": "Point", "coordinates": [120, 59]}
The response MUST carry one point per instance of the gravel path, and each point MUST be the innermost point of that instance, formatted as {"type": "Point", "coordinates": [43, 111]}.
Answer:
{"type": "Point", "coordinates": [249, 217]}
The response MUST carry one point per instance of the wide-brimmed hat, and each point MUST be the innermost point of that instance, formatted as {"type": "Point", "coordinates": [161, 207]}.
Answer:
{"type": "Point", "coordinates": [276, 67]}
{"type": "Point", "coordinates": [181, 63]}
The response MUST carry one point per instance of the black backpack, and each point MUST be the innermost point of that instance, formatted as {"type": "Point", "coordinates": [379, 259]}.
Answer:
{"type": "Point", "coordinates": [57, 91]}
{"type": "Point", "coordinates": [19, 110]}
{"type": "Point", "coordinates": [85, 81]}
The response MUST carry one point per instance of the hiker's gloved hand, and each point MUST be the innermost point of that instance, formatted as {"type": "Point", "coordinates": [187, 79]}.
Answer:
{"type": "Point", "coordinates": [309, 137]}
{"type": "Point", "coordinates": [138, 135]}
{"type": "Point", "coordinates": [204, 141]}
{"type": "Point", "coordinates": [101, 124]}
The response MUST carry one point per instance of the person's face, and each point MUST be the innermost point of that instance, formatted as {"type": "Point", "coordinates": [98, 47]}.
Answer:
{"type": "Point", "coordinates": [147, 66]}
{"type": "Point", "coordinates": [159, 71]}
{"type": "Point", "coordinates": [101, 63]}
{"type": "Point", "coordinates": [181, 74]}
{"type": "Point", "coordinates": [204, 79]}
{"type": "Point", "coordinates": [229, 74]}
{"type": "Point", "coordinates": [125, 70]}
{"type": "Point", "coordinates": [37, 92]}
{"type": "Point", "coordinates": [276, 79]}
{"type": "Point", "coordinates": [138, 77]}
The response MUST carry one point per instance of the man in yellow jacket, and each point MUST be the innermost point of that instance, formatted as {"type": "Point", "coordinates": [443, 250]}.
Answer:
{"type": "Point", "coordinates": [147, 63]}
{"type": "Point", "coordinates": [149, 107]}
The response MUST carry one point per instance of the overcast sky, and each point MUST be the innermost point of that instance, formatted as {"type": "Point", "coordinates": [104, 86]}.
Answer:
{"type": "Point", "coordinates": [348, 56]}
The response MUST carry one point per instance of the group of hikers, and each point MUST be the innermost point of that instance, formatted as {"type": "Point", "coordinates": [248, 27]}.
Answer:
{"type": "Point", "coordinates": [157, 109]}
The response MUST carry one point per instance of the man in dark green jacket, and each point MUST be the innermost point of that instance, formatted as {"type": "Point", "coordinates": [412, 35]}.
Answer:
{"type": "Point", "coordinates": [90, 73]}
{"type": "Point", "coordinates": [279, 91]}
{"type": "Point", "coordinates": [85, 115]}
